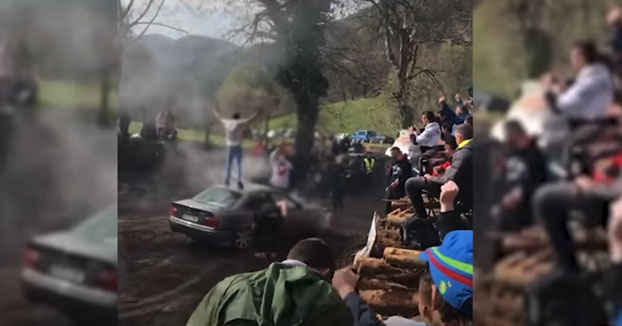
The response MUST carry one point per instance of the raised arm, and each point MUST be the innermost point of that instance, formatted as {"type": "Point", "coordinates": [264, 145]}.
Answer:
{"type": "Point", "coordinates": [251, 118]}
{"type": "Point", "coordinates": [217, 114]}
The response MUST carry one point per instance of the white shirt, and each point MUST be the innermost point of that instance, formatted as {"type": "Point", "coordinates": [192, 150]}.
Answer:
{"type": "Point", "coordinates": [430, 136]}
{"type": "Point", "coordinates": [233, 131]}
{"type": "Point", "coordinates": [590, 96]}
{"type": "Point", "coordinates": [280, 171]}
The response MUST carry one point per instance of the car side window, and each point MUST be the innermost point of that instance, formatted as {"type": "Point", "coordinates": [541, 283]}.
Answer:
{"type": "Point", "coordinates": [253, 203]}
{"type": "Point", "coordinates": [262, 204]}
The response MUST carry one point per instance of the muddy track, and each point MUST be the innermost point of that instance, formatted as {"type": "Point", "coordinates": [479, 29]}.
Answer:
{"type": "Point", "coordinates": [165, 275]}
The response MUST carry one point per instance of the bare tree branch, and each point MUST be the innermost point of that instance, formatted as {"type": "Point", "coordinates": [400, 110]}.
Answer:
{"type": "Point", "coordinates": [126, 11]}
{"type": "Point", "coordinates": [150, 21]}
{"type": "Point", "coordinates": [144, 12]}
{"type": "Point", "coordinates": [177, 29]}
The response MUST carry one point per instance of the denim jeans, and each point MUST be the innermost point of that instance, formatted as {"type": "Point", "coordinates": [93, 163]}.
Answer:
{"type": "Point", "coordinates": [234, 153]}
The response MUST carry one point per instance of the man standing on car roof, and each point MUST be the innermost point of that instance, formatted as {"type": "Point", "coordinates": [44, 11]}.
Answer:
{"type": "Point", "coordinates": [233, 137]}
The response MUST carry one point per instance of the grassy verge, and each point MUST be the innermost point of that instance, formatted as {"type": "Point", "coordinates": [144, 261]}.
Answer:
{"type": "Point", "coordinates": [192, 135]}
{"type": "Point", "coordinates": [73, 95]}
{"type": "Point", "coordinates": [349, 116]}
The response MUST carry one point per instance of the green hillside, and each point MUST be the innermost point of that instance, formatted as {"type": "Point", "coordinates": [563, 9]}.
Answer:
{"type": "Point", "coordinates": [72, 94]}
{"type": "Point", "coordinates": [364, 113]}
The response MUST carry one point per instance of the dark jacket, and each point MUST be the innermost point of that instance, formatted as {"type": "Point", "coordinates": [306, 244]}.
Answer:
{"type": "Point", "coordinates": [461, 169]}
{"type": "Point", "coordinates": [401, 171]}
{"type": "Point", "coordinates": [362, 313]}
{"type": "Point", "coordinates": [449, 118]}
{"type": "Point", "coordinates": [450, 221]}
{"type": "Point", "coordinates": [523, 169]}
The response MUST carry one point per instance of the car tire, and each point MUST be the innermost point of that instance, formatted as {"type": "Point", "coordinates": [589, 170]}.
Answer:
{"type": "Point", "coordinates": [243, 239]}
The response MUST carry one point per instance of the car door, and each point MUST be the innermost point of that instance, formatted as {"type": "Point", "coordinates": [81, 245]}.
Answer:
{"type": "Point", "coordinates": [259, 206]}
{"type": "Point", "coordinates": [249, 207]}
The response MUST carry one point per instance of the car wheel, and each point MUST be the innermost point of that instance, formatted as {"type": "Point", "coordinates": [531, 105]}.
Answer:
{"type": "Point", "coordinates": [244, 239]}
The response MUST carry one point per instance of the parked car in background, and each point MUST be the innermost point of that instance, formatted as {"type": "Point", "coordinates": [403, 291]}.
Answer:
{"type": "Point", "coordinates": [383, 139]}
{"type": "Point", "coordinates": [289, 133]}
{"type": "Point", "coordinates": [76, 270]}
{"type": "Point", "coordinates": [363, 135]}
{"type": "Point", "coordinates": [272, 134]}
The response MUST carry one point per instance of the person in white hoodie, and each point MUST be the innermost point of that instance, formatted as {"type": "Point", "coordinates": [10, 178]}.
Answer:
{"type": "Point", "coordinates": [431, 134]}
{"type": "Point", "coordinates": [281, 167]}
{"type": "Point", "coordinates": [588, 99]}
{"type": "Point", "coordinates": [426, 139]}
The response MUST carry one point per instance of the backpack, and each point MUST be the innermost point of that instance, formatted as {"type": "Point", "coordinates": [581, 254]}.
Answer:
{"type": "Point", "coordinates": [419, 234]}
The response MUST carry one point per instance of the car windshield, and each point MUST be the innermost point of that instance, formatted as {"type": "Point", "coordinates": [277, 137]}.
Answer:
{"type": "Point", "coordinates": [218, 196]}
{"type": "Point", "coordinates": [101, 227]}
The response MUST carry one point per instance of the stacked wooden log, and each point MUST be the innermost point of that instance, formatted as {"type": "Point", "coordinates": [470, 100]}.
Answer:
{"type": "Point", "coordinates": [527, 258]}
{"type": "Point", "coordinates": [390, 273]}
{"type": "Point", "coordinates": [389, 284]}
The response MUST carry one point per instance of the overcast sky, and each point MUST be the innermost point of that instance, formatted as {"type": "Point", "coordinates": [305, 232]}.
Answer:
{"type": "Point", "coordinates": [191, 16]}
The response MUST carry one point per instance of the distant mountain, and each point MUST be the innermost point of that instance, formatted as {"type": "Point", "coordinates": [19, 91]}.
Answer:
{"type": "Point", "coordinates": [183, 51]}
{"type": "Point", "coordinates": [157, 69]}
{"type": "Point", "coordinates": [207, 59]}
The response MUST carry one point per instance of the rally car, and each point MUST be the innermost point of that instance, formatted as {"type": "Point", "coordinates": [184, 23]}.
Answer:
{"type": "Point", "coordinates": [222, 215]}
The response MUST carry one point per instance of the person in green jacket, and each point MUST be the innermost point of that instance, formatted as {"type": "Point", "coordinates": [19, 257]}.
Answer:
{"type": "Point", "coordinates": [295, 292]}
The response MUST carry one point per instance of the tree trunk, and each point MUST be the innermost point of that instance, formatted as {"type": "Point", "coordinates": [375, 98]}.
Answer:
{"type": "Point", "coordinates": [405, 111]}
{"type": "Point", "coordinates": [104, 102]}
{"type": "Point", "coordinates": [207, 144]}
{"type": "Point", "coordinates": [307, 118]}
{"type": "Point", "coordinates": [266, 128]}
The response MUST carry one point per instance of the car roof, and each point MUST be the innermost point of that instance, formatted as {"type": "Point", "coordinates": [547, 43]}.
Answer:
{"type": "Point", "coordinates": [249, 189]}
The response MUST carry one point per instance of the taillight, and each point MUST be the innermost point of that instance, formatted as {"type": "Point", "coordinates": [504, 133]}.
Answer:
{"type": "Point", "coordinates": [213, 222]}
{"type": "Point", "coordinates": [108, 280]}
{"type": "Point", "coordinates": [31, 257]}
{"type": "Point", "coordinates": [173, 211]}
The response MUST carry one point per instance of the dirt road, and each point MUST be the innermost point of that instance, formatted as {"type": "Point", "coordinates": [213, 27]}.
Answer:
{"type": "Point", "coordinates": [165, 275]}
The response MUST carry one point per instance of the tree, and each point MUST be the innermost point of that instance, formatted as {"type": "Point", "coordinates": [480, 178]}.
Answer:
{"type": "Point", "coordinates": [248, 87]}
{"type": "Point", "coordinates": [297, 27]}
{"type": "Point", "coordinates": [354, 59]}
{"type": "Point", "coordinates": [536, 42]}
{"type": "Point", "coordinates": [408, 26]}
{"type": "Point", "coordinates": [132, 16]}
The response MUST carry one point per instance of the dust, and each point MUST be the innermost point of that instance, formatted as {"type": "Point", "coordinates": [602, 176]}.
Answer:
{"type": "Point", "coordinates": [59, 170]}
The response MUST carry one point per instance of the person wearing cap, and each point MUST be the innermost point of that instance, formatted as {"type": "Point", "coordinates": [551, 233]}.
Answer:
{"type": "Point", "coordinates": [445, 296]}
{"type": "Point", "coordinates": [457, 252]}
{"type": "Point", "coordinates": [446, 293]}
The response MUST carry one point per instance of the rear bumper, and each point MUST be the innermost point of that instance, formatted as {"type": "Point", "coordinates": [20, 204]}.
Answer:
{"type": "Point", "coordinates": [202, 232]}
{"type": "Point", "coordinates": [69, 297]}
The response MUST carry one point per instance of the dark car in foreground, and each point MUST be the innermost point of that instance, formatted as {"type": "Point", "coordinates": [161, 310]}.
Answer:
{"type": "Point", "coordinates": [75, 271]}
{"type": "Point", "coordinates": [226, 216]}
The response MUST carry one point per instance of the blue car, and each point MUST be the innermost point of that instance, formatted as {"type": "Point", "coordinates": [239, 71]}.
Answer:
{"type": "Point", "coordinates": [363, 135]}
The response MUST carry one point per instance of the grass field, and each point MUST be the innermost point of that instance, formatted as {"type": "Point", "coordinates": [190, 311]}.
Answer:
{"type": "Point", "coordinates": [73, 95]}
{"type": "Point", "coordinates": [350, 116]}
{"type": "Point", "coordinates": [193, 135]}
{"type": "Point", "coordinates": [367, 113]}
